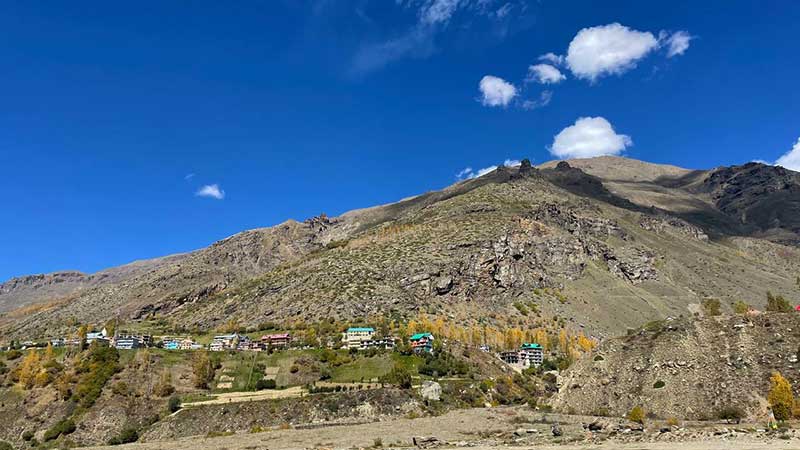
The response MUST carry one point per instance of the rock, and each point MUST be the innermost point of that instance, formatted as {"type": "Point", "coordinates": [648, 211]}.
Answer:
{"type": "Point", "coordinates": [431, 390]}
{"type": "Point", "coordinates": [425, 441]}
{"type": "Point", "coordinates": [556, 430]}
{"type": "Point", "coordinates": [595, 426]}
{"type": "Point", "coordinates": [443, 284]}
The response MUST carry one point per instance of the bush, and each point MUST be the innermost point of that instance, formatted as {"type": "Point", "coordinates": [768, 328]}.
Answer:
{"type": "Point", "coordinates": [399, 376]}
{"type": "Point", "coordinates": [96, 369]}
{"type": "Point", "coordinates": [711, 306]}
{"type": "Point", "coordinates": [173, 404]}
{"type": "Point", "coordinates": [776, 303]}
{"type": "Point", "coordinates": [740, 307]}
{"type": "Point", "coordinates": [780, 397]}
{"type": "Point", "coordinates": [129, 434]}
{"type": "Point", "coordinates": [13, 354]}
{"type": "Point", "coordinates": [27, 435]}
{"type": "Point", "coordinates": [265, 384]}
{"type": "Point", "coordinates": [731, 414]}
{"type": "Point", "coordinates": [636, 415]}
{"type": "Point", "coordinates": [63, 427]}
{"type": "Point", "coordinates": [6, 446]}
{"type": "Point", "coordinates": [659, 384]}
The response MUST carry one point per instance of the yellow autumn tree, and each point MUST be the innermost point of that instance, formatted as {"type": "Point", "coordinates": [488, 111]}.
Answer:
{"type": "Point", "coordinates": [28, 369]}
{"type": "Point", "coordinates": [585, 343]}
{"type": "Point", "coordinates": [780, 396]}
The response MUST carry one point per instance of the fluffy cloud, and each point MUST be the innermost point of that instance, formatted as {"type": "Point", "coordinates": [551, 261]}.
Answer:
{"type": "Point", "coordinates": [496, 91]}
{"type": "Point", "coordinates": [608, 50]}
{"type": "Point", "coordinates": [545, 74]}
{"type": "Point", "coordinates": [677, 43]}
{"type": "Point", "coordinates": [438, 11]}
{"type": "Point", "coordinates": [211, 191]}
{"type": "Point", "coordinates": [588, 137]}
{"type": "Point", "coordinates": [791, 160]}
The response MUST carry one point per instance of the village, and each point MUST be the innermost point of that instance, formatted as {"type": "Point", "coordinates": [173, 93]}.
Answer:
{"type": "Point", "coordinates": [528, 354]}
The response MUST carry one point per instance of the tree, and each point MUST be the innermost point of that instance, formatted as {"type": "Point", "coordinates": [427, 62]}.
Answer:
{"type": "Point", "coordinates": [776, 303]}
{"type": "Point", "coordinates": [28, 369]}
{"type": "Point", "coordinates": [780, 396]}
{"type": "Point", "coordinates": [636, 415]}
{"type": "Point", "coordinates": [202, 369]}
{"type": "Point", "coordinates": [400, 376]}
{"type": "Point", "coordinates": [164, 386]}
{"type": "Point", "coordinates": [711, 307]}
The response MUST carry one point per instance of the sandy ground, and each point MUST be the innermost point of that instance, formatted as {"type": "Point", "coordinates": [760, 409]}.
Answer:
{"type": "Point", "coordinates": [458, 428]}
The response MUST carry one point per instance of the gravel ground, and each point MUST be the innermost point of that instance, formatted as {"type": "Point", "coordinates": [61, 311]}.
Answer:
{"type": "Point", "coordinates": [483, 429]}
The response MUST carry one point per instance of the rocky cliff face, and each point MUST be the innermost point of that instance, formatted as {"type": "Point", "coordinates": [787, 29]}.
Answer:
{"type": "Point", "coordinates": [602, 251]}
{"type": "Point", "coordinates": [686, 368]}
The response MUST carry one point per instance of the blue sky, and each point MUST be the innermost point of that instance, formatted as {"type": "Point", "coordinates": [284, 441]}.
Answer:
{"type": "Point", "coordinates": [114, 117]}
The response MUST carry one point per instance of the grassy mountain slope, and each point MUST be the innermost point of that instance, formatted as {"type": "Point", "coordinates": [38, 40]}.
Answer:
{"type": "Point", "coordinates": [609, 247]}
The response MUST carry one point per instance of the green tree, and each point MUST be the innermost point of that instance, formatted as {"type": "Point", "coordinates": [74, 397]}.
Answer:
{"type": "Point", "coordinates": [780, 396]}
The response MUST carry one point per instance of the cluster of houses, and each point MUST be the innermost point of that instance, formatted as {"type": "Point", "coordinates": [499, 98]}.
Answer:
{"type": "Point", "coordinates": [528, 355]}
{"type": "Point", "coordinates": [358, 338]}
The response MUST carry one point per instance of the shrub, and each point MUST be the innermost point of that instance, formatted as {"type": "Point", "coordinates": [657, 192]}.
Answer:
{"type": "Point", "coordinates": [636, 415]}
{"type": "Point", "coordinates": [265, 384]}
{"type": "Point", "coordinates": [399, 375]}
{"type": "Point", "coordinates": [121, 388]}
{"type": "Point", "coordinates": [731, 414]}
{"type": "Point", "coordinates": [658, 384]}
{"type": "Point", "coordinates": [672, 421]}
{"type": "Point", "coordinates": [776, 303]}
{"type": "Point", "coordinates": [64, 427]}
{"type": "Point", "coordinates": [711, 306]}
{"type": "Point", "coordinates": [27, 435]}
{"type": "Point", "coordinates": [164, 386]}
{"type": "Point", "coordinates": [96, 369]}
{"type": "Point", "coordinates": [6, 446]}
{"type": "Point", "coordinates": [377, 442]}
{"type": "Point", "coordinates": [780, 397]}
{"type": "Point", "coordinates": [740, 307]}
{"type": "Point", "coordinates": [173, 404]}
{"type": "Point", "coordinates": [13, 354]}
{"type": "Point", "coordinates": [128, 434]}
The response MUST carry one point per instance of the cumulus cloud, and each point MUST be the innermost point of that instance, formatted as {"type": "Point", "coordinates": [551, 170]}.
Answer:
{"type": "Point", "coordinates": [211, 191]}
{"type": "Point", "coordinates": [545, 74]}
{"type": "Point", "coordinates": [589, 137]}
{"type": "Point", "coordinates": [677, 43]}
{"type": "Point", "coordinates": [608, 50]}
{"type": "Point", "coordinates": [791, 159]}
{"type": "Point", "coordinates": [496, 91]}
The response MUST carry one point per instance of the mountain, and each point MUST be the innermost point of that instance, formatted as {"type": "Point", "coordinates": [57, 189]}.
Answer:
{"type": "Point", "coordinates": [602, 244]}
{"type": "Point", "coordinates": [667, 367]}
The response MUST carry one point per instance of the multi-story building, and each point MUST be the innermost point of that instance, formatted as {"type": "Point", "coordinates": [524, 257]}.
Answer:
{"type": "Point", "coordinates": [281, 340]}
{"type": "Point", "coordinates": [354, 336]}
{"type": "Point", "coordinates": [422, 343]}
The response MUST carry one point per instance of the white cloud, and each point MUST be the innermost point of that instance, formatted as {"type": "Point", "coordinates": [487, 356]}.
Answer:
{"type": "Point", "coordinates": [545, 74]}
{"type": "Point", "coordinates": [791, 159]}
{"type": "Point", "coordinates": [552, 58]}
{"type": "Point", "coordinates": [496, 91]}
{"type": "Point", "coordinates": [468, 174]}
{"type": "Point", "coordinates": [188, 176]}
{"type": "Point", "coordinates": [438, 11]}
{"type": "Point", "coordinates": [607, 50]}
{"type": "Point", "coordinates": [544, 100]}
{"type": "Point", "coordinates": [588, 137]}
{"type": "Point", "coordinates": [211, 191]}
{"type": "Point", "coordinates": [677, 43]}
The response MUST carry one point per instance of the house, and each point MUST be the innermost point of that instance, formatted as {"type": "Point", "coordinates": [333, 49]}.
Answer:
{"type": "Point", "coordinates": [244, 343]}
{"type": "Point", "coordinates": [58, 342]}
{"type": "Point", "coordinates": [422, 343]}
{"type": "Point", "coordinates": [281, 340]}
{"type": "Point", "coordinates": [354, 336]}
{"type": "Point", "coordinates": [528, 355]}
{"type": "Point", "coordinates": [511, 357]}
{"type": "Point", "coordinates": [127, 342]}
{"type": "Point", "coordinates": [172, 345]}
{"type": "Point", "coordinates": [531, 354]}
{"type": "Point", "coordinates": [189, 344]}
{"type": "Point", "coordinates": [386, 343]}
{"type": "Point", "coordinates": [101, 337]}
{"type": "Point", "coordinates": [224, 342]}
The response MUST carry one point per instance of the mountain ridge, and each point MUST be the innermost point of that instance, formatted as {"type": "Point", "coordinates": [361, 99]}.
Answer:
{"type": "Point", "coordinates": [472, 250]}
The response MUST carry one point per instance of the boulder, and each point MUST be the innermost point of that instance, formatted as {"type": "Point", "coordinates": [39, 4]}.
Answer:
{"type": "Point", "coordinates": [431, 390]}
